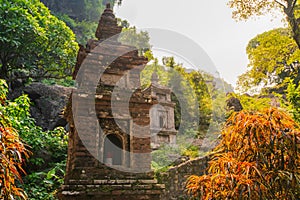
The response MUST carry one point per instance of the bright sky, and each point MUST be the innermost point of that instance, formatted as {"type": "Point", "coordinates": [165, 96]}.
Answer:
{"type": "Point", "coordinates": [207, 22]}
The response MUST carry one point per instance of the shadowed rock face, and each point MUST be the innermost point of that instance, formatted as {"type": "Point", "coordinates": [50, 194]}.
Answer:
{"type": "Point", "coordinates": [234, 104]}
{"type": "Point", "coordinates": [48, 102]}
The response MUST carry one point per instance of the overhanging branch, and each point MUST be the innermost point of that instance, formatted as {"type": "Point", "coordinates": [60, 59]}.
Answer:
{"type": "Point", "coordinates": [281, 4]}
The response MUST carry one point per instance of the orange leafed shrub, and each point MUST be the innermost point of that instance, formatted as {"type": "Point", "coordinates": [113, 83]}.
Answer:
{"type": "Point", "coordinates": [12, 152]}
{"type": "Point", "coordinates": [257, 158]}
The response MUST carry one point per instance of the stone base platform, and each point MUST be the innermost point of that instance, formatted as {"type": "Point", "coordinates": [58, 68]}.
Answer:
{"type": "Point", "coordinates": [111, 190]}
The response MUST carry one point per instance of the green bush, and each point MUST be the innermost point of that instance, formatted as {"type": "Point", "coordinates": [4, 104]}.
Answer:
{"type": "Point", "coordinates": [293, 98]}
{"type": "Point", "coordinates": [43, 185]}
{"type": "Point", "coordinates": [44, 176]}
{"type": "Point", "coordinates": [162, 157]}
{"type": "Point", "coordinates": [192, 151]}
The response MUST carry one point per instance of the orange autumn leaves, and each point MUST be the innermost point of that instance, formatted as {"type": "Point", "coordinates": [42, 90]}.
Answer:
{"type": "Point", "coordinates": [257, 158]}
{"type": "Point", "coordinates": [12, 154]}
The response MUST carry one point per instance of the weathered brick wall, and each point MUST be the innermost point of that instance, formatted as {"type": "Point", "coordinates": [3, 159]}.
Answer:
{"type": "Point", "coordinates": [175, 178]}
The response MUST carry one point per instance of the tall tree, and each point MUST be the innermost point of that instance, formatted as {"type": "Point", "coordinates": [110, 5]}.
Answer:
{"type": "Point", "coordinates": [247, 8]}
{"type": "Point", "coordinates": [34, 43]}
{"type": "Point", "coordinates": [273, 56]}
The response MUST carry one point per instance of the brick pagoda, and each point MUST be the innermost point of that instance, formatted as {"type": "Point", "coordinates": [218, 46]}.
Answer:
{"type": "Point", "coordinates": [109, 152]}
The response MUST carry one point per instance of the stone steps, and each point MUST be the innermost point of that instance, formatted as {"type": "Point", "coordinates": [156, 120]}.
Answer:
{"type": "Point", "coordinates": [112, 189]}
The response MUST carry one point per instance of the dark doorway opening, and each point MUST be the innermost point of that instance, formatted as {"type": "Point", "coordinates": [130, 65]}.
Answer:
{"type": "Point", "coordinates": [113, 150]}
{"type": "Point", "coordinates": [161, 122]}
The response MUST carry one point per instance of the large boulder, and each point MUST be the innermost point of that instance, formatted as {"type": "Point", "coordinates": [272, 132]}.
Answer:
{"type": "Point", "coordinates": [48, 104]}
{"type": "Point", "coordinates": [234, 104]}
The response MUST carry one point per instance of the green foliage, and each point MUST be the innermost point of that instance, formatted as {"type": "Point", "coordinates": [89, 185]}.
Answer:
{"type": "Point", "coordinates": [257, 158]}
{"type": "Point", "coordinates": [3, 91]}
{"type": "Point", "coordinates": [272, 57]}
{"type": "Point", "coordinates": [35, 44]}
{"type": "Point", "coordinates": [163, 156]}
{"type": "Point", "coordinates": [147, 72]}
{"type": "Point", "coordinates": [84, 31]}
{"type": "Point", "coordinates": [81, 16]}
{"type": "Point", "coordinates": [68, 20]}
{"type": "Point", "coordinates": [196, 94]}
{"type": "Point", "coordinates": [243, 10]}
{"type": "Point", "coordinates": [189, 91]}
{"type": "Point", "coordinates": [140, 40]}
{"type": "Point", "coordinates": [149, 55]}
{"type": "Point", "coordinates": [293, 99]}
{"type": "Point", "coordinates": [12, 153]}
{"type": "Point", "coordinates": [252, 103]}
{"type": "Point", "coordinates": [67, 82]}
{"type": "Point", "coordinates": [191, 151]}
{"type": "Point", "coordinates": [44, 176]}
{"type": "Point", "coordinates": [43, 185]}
{"type": "Point", "coordinates": [203, 95]}
{"type": "Point", "coordinates": [219, 109]}
{"type": "Point", "coordinates": [80, 10]}
{"type": "Point", "coordinates": [53, 143]}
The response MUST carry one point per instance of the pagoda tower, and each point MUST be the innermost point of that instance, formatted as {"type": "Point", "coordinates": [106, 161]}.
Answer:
{"type": "Point", "coordinates": [162, 123]}
{"type": "Point", "coordinates": [109, 151]}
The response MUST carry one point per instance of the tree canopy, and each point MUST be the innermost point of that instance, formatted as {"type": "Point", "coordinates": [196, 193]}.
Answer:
{"type": "Point", "coordinates": [273, 56]}
{"type": "Point", "coordinates": [132, 36]}
{"type": "Point", "coordinates": [34, 43]}
{"type": "Point", "coordinates": [248, 8]}
{"type": "Point", "coordinates": [198, 95]}
{"type": "Point", "coordinates": [81, 16]}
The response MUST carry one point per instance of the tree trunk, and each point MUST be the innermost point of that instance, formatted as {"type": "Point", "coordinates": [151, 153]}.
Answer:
{"type": "Point", "coordinates": [294, 23]}
{"type": "Point", "coordinates": [295, 29]}
{"type": "Point", "coordinates": [4, 70]}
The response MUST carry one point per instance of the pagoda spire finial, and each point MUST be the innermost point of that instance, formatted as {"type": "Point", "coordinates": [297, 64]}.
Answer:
{"type": "Point", "coordinates": [154, 78]}
{"type": "Point", "coordinates": [108, 25]}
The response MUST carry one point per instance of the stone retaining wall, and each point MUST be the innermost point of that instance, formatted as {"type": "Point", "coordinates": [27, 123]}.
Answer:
{"type": "Point", "coordinates": [175, 178]}
{"type": "Point", "coordinates": [111, 190]}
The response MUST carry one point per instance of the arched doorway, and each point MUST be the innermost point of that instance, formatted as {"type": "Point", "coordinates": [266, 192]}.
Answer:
{"type": "Point", "coordinates": [113, 150]}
